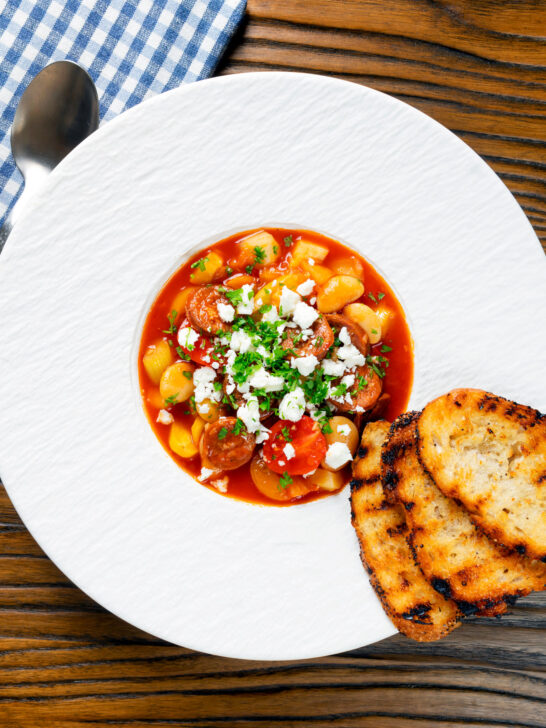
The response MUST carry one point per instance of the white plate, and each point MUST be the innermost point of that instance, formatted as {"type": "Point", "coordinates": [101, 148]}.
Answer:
{"type": "Point", "coordinates": [78, 457]}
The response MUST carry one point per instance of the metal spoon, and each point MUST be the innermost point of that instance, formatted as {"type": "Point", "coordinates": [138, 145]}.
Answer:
{"type": "Point", "coordinates": [57, 111]}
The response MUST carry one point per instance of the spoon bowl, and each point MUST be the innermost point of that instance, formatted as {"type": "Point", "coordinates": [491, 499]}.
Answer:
{"type": "Point", "coordinates": [57, 111]}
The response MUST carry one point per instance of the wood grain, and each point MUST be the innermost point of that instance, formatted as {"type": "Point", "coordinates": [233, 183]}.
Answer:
{"type": "Point", "coordinates": [479, 68]}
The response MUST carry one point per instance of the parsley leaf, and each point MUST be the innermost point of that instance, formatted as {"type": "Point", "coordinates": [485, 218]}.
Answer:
{"type": "Point", "coordinates": [286, 434]}
{"type": "Point", "coordinates": [172, 399]}
{"type": "Point", "coordinates": [199, 264]}
{"type": "Point", "coordinates": [326, 428]}
{"type": "Point", "coordinates": [172, 325]}
{"type": "Point", "coordinates": [386, 348]}
{"type": "Point", "coordinates": [222, 433]}
{"type": "Point", "coordinates": [285, 480]}
{"type": "Point", "coordinates": [374, 299]}
{"type": "Point", "coordinates": [380, 296]}
{"type": "Point", "coordinates": [188, 375]}
{"type": "Point", "coordinates": [238, 427]}
{"type": "Point", "coordinates": [182, 354]}
{"type": "Point", "coordinates": [259, 255]}
{"type": "Point", "coordinates": [249, 269]}
{"type": "Point", "coordinates": [288, 240]}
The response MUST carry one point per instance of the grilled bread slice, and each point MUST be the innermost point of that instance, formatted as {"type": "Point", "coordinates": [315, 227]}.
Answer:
{"type": "Point", "coordinates": [414, 607]}
{"type": "Point", "coordinates": [490, 454]}
{"type": "Point", "coordinates": [458, 560]}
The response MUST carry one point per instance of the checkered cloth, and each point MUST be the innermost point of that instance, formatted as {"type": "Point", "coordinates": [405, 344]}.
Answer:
{"type": "Point", "coordinates": [132, 49]}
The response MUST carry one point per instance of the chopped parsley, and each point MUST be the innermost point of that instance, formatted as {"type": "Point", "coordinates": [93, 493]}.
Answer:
{"type": "Point", "coordinates": [249, 269]}
{"type": "Point", "coordinates": [386, 348]}
{"type": "Point", "coordinates": [172, 399]}
{"type": "Point", "coordinates": [362, 382]}
{"type": "Point", "coordinates": [380, 296]}
{"type": "Point", "coordinates": [319, 342]}
{"type": "Point", "coordinates": [238, 427]}
{"type": "Point", "coordinates": [326, 428]}
{"type": "Point", "coordinates": [340, 390]}
{"type": "Point", "coordinates": [286, 434]}
{"type": "Point", "coordinates": [275, 249]}
{"type": "Point", "coordinates": [188, 375]}
{"type": "Point", "coordinates": [201, 264]}
{"type": "Point", "coordinates": [285, 480]}
{"type": "Point", "coordinates": [265, 308]}
{"type": "Point", "coordinates": [182, 354]}
{"type": "Point", "coordinates": [229, 270]}
{"type": "Point", "coordinates": [172, 326]}
{"type": "Point", "coordinates": [222, 433]}
{"type": "Point", "coordinates": [288, 240]}
{"type": "Point", "coordinates": [259, 255]}
{"type": "Point", "coordinates": [235, 297]}
{"type": "Point", "coordinates": [374, 299]}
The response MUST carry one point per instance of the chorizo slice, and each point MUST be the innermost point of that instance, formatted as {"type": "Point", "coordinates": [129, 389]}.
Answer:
{"type": "Point", "coordinates": [364, 397]}
{"type": "Point", "coordinates": [319, 343]}
{"type": "Point", "coordinates": [222, 449]}
{"type": "Point", "coordinates": [359, 337]}
{"type": "Point", "coordinates": [202, 310]}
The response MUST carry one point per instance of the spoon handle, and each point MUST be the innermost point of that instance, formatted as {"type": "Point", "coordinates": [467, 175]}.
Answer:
{"type": "Point", "coordinates": [5, 230]}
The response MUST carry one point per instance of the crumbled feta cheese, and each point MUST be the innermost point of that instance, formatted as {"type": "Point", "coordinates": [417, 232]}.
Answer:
{"type": "Point", "coordinates": [262, 435]}
{"type": "Point", "coordinates": [311, 472]}
{"type": "Point", "coordinates": [221, 484]}
{"type": "Point", "coordinates": [215, 365]}
{"type": "Point", "coordinates": [203, 379]}
{"type": "Point", "coordinates": [304, 315]}
{"type": "Point", "coordinates": [205, 474]}
{"type": "Point", "coordinates": [164, 417]}
{"type": "Point", "coordinates": [281, 463]}
{"type": "Point", "coordinates": [313, 300]}
{"type": "Point", "coordinates": [249, 413]}
{"type": "Point", "coordinates": [292, 406]}
{"type": "Point", "coordinates": [246, 306]}
{"type": "Point", "coordinates": [337, 455]}
{"type": "Point", "coordinates": [304, 364]}
{"type": "Point", "coordinates": [344, 430]}
{"type": "Point", "coordinates": [348, 380]}
{"type": "Point", "coordinates": [333, 368]}
{"type": "Point", "coordinates": [351, 356]}
{"type": "Point", "coordinates": [230, 386]}
{"type": "Point", "coordinates": [262, 379]}
{"type": "Point", "coordinates": [305, 288]}
{"type": "Point", "coordinates": [289, 451]}
{"type": "Point", "coordinates": [225, 311]}
{"type": "Point", "coordinates": [271, 316]}
{"type": "Point", "coordinates": [288, 301]}
{"type": "Point", "coordinates": [344, 336]}
{"type": "Point", "coordinates": [187, 337]}
{"type": "Point", "coordinates": [240, 341]}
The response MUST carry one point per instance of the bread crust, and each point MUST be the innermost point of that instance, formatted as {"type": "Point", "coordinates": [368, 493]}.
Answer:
{"type": "Point", "coordinates": [490, 454]}
{"type": "Point", "coordinates": [458, 559]}
{"type": "Point", "coordinates": [414, 607]}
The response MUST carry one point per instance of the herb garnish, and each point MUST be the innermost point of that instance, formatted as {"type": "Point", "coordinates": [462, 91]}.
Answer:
{"type": "Point", "coordinates": [259, 255]}
{"type": "Point", "coordinates": [288, 241]}
{"type": "Point", "coordinates": [200, 264]}
{"type": "Point", "coordinates": [222, 433]}
{"type": "Point", "coordinates": [285, 480]}
{"type": "Point", "coordinates": [172, 326]}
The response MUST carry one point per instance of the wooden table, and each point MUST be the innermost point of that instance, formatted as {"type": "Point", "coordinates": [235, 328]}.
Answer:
{"type": "Point", "coordinates": [479, 68]}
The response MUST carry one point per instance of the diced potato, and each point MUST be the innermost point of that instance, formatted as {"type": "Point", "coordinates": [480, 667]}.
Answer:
{"type": "Point", "coordinates": [270, 274]}
{"type": "Point", "coordinates": [343, 430]}
{"type": "Point", "coordinates": [208, 266]}
{"type": "Point", "coordinates": [208, 410]}
{"type": "Point", "coordinates": [181, 441]}
{"type": "Point", "coordinates": [305, 249]}
{"type": "Point", "coordinates": [337, 292]}
{"type": "Point", "coordinates": [239, 281]}
{"type": "Point", "coordinates": [326, 479]}
{"type": "Point", "coordinates": [385, 317]}
{"type": "Point", "coordinates": [197, 428]}
{"type": "Point", "coordinates": [176, 383]}
{"type": "Point", "coordinates": [267, 253]}
{"type": "Point", "coordinates": [319, 273]}
{"type": "Point", "coordinates": [366, 318]}
{"type": "Point", "coordinates": [349, 266]}
{"type": "Point", "coordinates": [156, 359]}
{"type": "Point", "coordinates": [179, 301]}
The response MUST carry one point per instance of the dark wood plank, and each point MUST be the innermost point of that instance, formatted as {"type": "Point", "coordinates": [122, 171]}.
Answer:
{"type": "Point", "coordinates": [479, 67]}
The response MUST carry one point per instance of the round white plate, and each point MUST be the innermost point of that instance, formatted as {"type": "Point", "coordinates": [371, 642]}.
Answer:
{"type": "Point", "coordinates": [77, 455]}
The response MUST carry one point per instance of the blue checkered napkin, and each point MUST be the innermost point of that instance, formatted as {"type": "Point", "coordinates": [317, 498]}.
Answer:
{"type": "Point", "coordinates": [132, 50]}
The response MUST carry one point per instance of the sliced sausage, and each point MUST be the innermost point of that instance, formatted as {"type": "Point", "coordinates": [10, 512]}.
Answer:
{"type": "Point", "coordinates": [229, 451]}
{"type": "Point", "coordinates": [319, 343]}
{"type": "Point", "coordinates": [359, 337]}
{"type": "Point", "coordinates": [366, 397]}
{"type": "Point", "coordinates": [202, 310]}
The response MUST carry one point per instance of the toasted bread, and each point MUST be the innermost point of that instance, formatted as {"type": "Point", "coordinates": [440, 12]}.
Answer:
{"type": "Point", "coordinates": [414, 607]}
{"type": "Point", "coordinates": [490, 454]}
{"type": "Point", "coordinates": [458, 560]}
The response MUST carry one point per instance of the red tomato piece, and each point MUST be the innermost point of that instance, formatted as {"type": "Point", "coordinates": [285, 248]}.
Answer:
{"type": "Point", "coordinates": [202, 351]}
{"type": "Point", "coordinates": [307, 440]}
